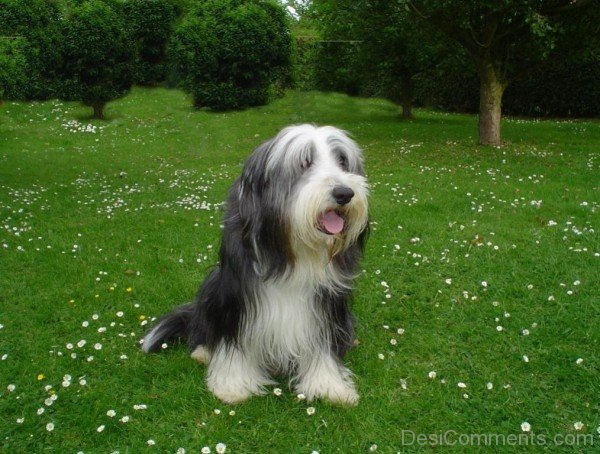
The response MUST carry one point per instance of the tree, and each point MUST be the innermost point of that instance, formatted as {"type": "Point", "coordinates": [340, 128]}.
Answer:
{"type": "Point", "coordinates": [337, 56]}
{"type": "Point", "coordinates": [504, 39]}
{"type": "Point", "coordinates": [97, 55]}
{"type": "Point", "coordinates": [397, 47]}
{"type": "Point", "coordinates": [227, 53]}
{"type": "Point", "coordinates": [151, 24]}
{"type": "Point", "coordinates": [374, 47]}
{"type": "Point", "coordinates": [563, 85]}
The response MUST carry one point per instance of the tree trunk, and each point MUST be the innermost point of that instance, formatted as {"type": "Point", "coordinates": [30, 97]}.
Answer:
{"type": "Point", "coordinates": [490, 104]}
{"type": "Point", "coordinates": [407, 98]}
{"type": "Point", "coordinates": [99, 110]}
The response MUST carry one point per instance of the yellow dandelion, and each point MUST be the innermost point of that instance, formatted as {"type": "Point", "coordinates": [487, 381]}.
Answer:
{"type": "Point", "coordinates": [40, 377]}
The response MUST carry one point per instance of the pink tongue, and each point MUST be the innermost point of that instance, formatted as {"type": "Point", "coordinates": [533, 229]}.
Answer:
{"type": "Point", "coordinates": [332, 222]}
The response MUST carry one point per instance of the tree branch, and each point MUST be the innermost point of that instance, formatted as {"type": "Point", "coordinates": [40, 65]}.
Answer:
{"type": "Point", "coordinates": [571, 5]}
{"type": "Point", "coordinates": [495, 22]}
{"type": "Point", "coordinates": [412, 6]}
{"type": "Point", "coordinates": [447, 28]}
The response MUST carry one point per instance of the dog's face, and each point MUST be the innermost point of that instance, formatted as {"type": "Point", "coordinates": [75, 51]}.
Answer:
{"type": "Point", "coordinates": [308, 184]}
{"type": "Point", "coordinates": [328, 206]}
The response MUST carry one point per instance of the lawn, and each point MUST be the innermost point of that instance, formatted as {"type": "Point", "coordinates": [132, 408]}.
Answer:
{"type": "Point", "coordinates": [478, 306]}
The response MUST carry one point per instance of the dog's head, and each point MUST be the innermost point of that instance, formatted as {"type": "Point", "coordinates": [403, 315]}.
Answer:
{"type": "Point", "coordinates": [304, 192]}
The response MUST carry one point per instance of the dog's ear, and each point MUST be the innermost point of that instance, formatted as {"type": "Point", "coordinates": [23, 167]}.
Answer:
{"type": "Point", "coordinates": [250, 189]}
{"type": "Point", "coordinates": [263, 225]}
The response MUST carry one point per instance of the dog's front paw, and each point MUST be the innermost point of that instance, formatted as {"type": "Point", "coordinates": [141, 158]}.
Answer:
{"type": "Point", "coordinates": [229, 396]}
{"type": "Point", "coordinates": [340, 393]}
{"type": "Point", "coordinates": [349, 397]}
{"type": "Point", "coordinates": [346, 396]}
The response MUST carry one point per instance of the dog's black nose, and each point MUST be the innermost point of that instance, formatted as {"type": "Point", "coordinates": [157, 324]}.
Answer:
{"type": "Point", "coordinates": [342, 194]}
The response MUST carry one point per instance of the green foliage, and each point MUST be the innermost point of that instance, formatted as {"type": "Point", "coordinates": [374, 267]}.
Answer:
{"type": "Point", "coordinates": [34, 28]}
{"type": "Point", "coordinates": [372, 48]}
{"type": "Point", "coordinates": [304, 62]}
{"type": "Point", "coordinates": [559, 88]}
{"type": "Point", "coordinates": [525, 41]}
{"type": "Point", "coordinates": [510, 37]}
{"type": "Point", "coordinates": [228, 53]}
{"type": "Point", "coordinates": [451, 85]}
{"type": "Point", "coordinates": [563, 85]}
{"type": "Point", "coordinates": [338, 66]}
{"type": "Point", "coordinates": [97, 54]}
{"type": "Point", "coordinates": [13, 68]}
{"type": "Point", "coordinates": [151, 23]}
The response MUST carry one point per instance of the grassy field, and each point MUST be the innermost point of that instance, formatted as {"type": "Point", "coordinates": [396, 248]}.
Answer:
{"type": "Point", "coordinates": [478, 309]}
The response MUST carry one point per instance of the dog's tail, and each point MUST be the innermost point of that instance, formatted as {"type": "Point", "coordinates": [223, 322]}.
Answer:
{"type": "Point", "coordinates": [169, 328]}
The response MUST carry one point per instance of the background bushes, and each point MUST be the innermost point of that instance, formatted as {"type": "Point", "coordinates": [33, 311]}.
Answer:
{"type": "Point", "coordinates": [304, 54]}
{"type": "Point", "coordinates": [97, 55]}
{"type": "Point", "coordinates": [150, 23]}
{"type": "Point", "coordinates": [235, 53]}
{"type": "Point", "coordinates": [30, 31]}
{"type": "Point", "coordinates": [565, 86]}
{"type": "Point", "coordinates": [13, 68]}
{"type": "Point", "coordinates": [227, 53]}
{"type": "Point", "coordinates": [336, 67]}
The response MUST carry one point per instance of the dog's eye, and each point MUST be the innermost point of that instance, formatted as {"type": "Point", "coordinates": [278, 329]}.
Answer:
{"type": "Point", "coordinates": [343, 161]}
{"type": "Point", "coordinates": [306, 164]}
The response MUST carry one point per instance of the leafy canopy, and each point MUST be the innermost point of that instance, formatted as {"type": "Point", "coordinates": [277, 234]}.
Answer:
{"type": "Point", "coordinates": [228, 52]}
{"type": "Point", "coordinates": [97, 53]}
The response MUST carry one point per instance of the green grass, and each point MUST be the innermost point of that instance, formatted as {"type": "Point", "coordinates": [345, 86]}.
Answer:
{"type": "Point", "coordinates": [87, 216]}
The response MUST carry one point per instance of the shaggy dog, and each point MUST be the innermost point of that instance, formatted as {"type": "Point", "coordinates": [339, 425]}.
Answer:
{"type": "Point", "coordinates": [294, 230]}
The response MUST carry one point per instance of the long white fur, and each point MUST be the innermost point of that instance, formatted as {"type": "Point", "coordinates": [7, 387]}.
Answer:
{"type": "Point", "coordinates": [234, 374]}
{"type": "Point", "coordinates": [287, 335]}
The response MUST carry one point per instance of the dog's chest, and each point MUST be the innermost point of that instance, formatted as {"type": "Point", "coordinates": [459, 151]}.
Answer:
{"type": "Point", "coordinates": [286, 325]}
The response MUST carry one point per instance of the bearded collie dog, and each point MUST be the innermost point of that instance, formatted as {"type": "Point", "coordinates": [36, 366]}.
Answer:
{"type": "Point", "coordinates": [295, 226]}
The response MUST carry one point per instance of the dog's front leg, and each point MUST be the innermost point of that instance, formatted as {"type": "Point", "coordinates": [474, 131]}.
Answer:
{"type": "Point", "coordinates": [324, 376]}
{"type": "Point", "coordinates": [234, 376]}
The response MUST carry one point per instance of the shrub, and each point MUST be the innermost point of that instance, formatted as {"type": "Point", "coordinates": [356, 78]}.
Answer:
{"type": "Point", "coordinates": [337, 67]}
{"type": "Point", "coordinates": [97, 55]}
{"type": "Point", "coordinates": [13, 68]}
{"type": "Point", "coordinates": [451, 85]}
{"type": "Point", "coordinates": [304, 60]}
{"type": "Point", "coordinates": [565, 86]}
{"type": "Point", "coordinates": [33, 27]}
{"type": "Point", "coordinates": [150, 23]}
{"type": "Point", "coordinates": [227, 53]}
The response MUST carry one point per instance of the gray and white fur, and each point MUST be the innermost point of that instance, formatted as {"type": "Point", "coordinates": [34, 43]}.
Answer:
{"type": "Point", "coordinates": [294, 231]}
